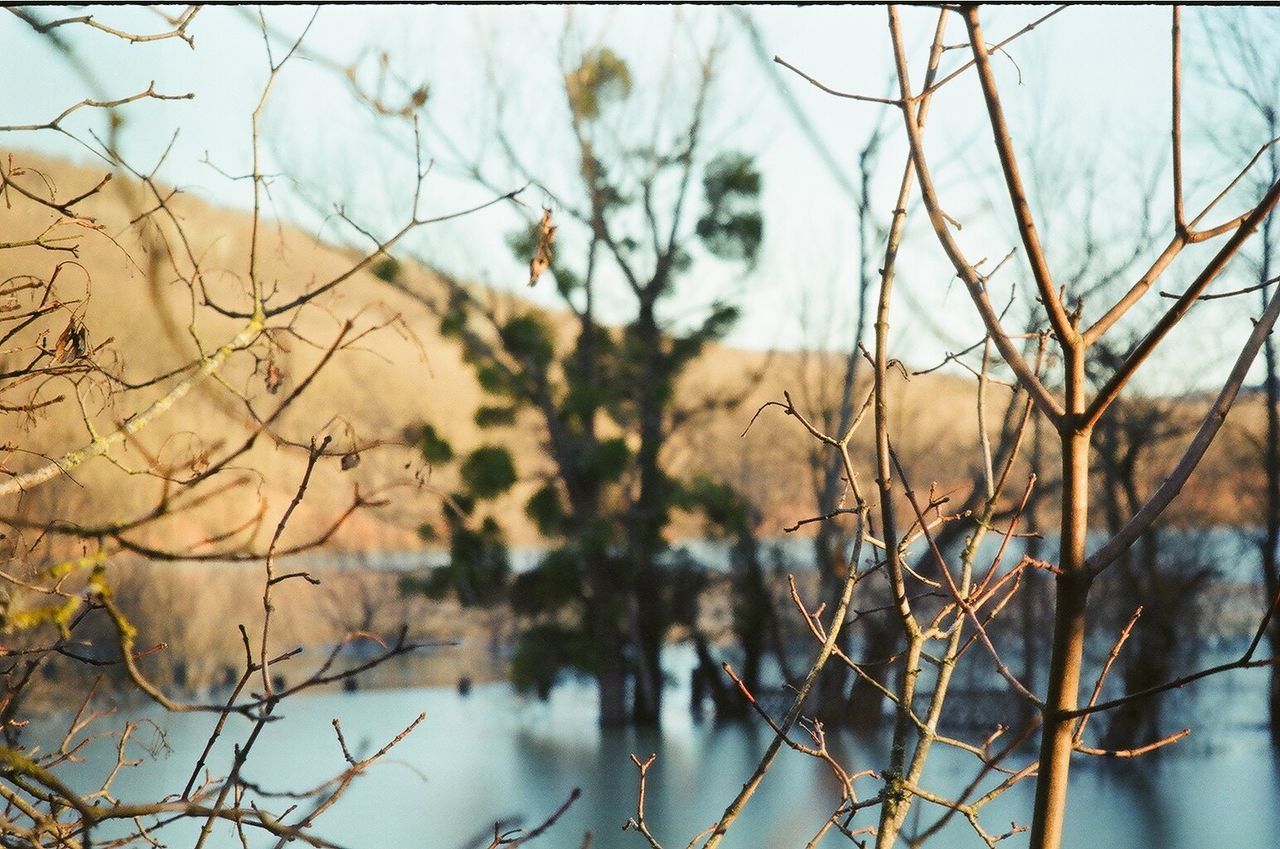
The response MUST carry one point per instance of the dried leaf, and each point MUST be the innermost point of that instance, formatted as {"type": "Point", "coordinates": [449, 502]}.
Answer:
{"type": "Point", "coordinates": [275, 377]}
{"type": "Point", "coordinates": [536, 267]}
{"type": "Point", "coordinates": [73, 342]}
{"type": "Point", "coordinates": [542, 256]}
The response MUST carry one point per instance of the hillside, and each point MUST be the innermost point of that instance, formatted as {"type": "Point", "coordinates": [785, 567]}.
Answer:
{"type": "Point", "coordinates": [123, 286]}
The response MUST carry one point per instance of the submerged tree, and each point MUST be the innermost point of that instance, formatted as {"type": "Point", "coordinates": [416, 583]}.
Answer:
{"type": "Point", "coordinates": [1157, 587]}
{"type": "Point", "coordinates": [640, 209]}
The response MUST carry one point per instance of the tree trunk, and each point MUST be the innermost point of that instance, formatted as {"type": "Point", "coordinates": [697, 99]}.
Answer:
{"type": "Point", "coordinates": [611, 686]}
{"type": "Point", "coordinates": [650, 630]}
{"type": "Point", "coordinates": [729, 704]}
{"type": "Point", "coordinates": [1271, 465]}
{"type": "Point", "coordinates": [1033, 584]}
{"type": "Point", "coordinates": [882, 640]}
{"type": "Point", "coordinates": [649, 515]}
{"type": "Point", "coordinates": [830, 697]}
{"type": "Point", "coordinates": [603, 625]}
{"type": "Point", "coordinates": [1274, 697]}
{"type": "Point", "coordinates": [1150, 653]}
{"type": "Point", "coordinates": [1069, 624]}
{"type": "Point", "coordinates": [753, 609]}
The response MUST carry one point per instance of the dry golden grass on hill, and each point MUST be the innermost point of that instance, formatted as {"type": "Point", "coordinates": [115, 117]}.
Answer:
{"type": "Point", "coordinates": [401, 374]}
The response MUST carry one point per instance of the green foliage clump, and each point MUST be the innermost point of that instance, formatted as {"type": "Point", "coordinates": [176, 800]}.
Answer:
{"type": "Point", "coordinates": [488, 471]}
{"type": "Point", "coordinates": [605, 395]}
{"type": "Point", "coordinates": [433, 447]}
{"type": "Point", "coordinates": [478, 569]}
{"type": "Point", "coordinates": [602, 78]}
{"type": "Point", "coordinates": [544, 651]}
{"type": "Point", "coordinates": [609, 459]}
{"type": "Point", "coordinates": [387, 268]}
{"type": "Point", "coordinates": [453, 319]}
{"type": "Point", "coordinates": [547, 510]}
{"type": "Point", "coordinates": [528, 338]}
{"type": "Point", "coordinates": [494, 416]}
{"type": "Point", "coordinates": [548, 587]}
{"type": "Point", "coordinates": [732, 227]}
{"type": "Point", "coordinates": [724, 508]}
{"type": "Point", "coordinates": [496, 380]}
{"type": "Point", "coordinates": [685, 349]}
{"type": "Point", "coordinates": [683, 582]}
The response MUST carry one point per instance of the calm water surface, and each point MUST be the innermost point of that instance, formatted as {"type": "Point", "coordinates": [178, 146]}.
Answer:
{"type": "Point", "coordinates": [495, 756]}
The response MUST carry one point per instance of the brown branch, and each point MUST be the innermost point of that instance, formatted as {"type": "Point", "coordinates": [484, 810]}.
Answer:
{"type": "Point", "coordinates": [734, 809]}
{"type": "Point", "coordinates": [103, 444]}
{"type": "Point", "coordinates": [1245, 661]}
{"type": "Point", "coordinates": [546, 824]}
{"type": "Point", "coordinates": [848, 95]}
{"type": "Point", "coordinates": [959, 597]}
{"type": "Point", "coordinates": [1213, 421]}
{"type": "Point", "coordinates": [56, 123]}
{"type": "Point", "coordinates": [1111, 390]}
{"type": "Point", "coordinates": [1063, 327]}
{"type": "Point", "coordinates": [1106, 669]}
{"type": "Point", "coordinates": [315, 542]}
{"type": "Point", "coordinates": [268, 607]}
{"type": "Point", "coordinates": [973, 281]}
{"type": "Point", "coordinates": [1135, 752]}
{"type": "Point", "coordinates": [1179, 216]}
{"type": "Point", "coordinates": [1246, 290]}
{"type": "Point", "coordinates": [180, 25]}
{"type": "Point", "coordinates": [1175, 246]}
{"type": "Point", "coordinates": [995, 48]}
{"type": "Point", "coordinates": [637, 822]}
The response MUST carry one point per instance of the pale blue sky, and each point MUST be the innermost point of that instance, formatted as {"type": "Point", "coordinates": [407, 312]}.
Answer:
{"type": "Point", "coordinates": [1093, 91]}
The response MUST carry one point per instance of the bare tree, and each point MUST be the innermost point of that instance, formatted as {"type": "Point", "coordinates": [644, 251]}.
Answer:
{"type": "Point", "coordinates": [65, 604]}
{"type": "Point", "coordinates": [1071, 371]}
{"type": "Point", "coordinates": [644, 199]}
{"type": "Point", "coordinates": [1076, 414]}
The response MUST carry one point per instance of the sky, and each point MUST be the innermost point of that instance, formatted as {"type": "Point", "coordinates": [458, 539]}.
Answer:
{"type": "Point", "coordinates": [1086, 91]}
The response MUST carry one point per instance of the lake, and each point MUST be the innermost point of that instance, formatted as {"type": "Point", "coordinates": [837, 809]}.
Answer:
{"type": "Point", "coordinates": [493, 755]}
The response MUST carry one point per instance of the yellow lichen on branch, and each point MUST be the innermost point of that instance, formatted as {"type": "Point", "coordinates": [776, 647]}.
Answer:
{"type": "Point", "coordinates": [103, 445]}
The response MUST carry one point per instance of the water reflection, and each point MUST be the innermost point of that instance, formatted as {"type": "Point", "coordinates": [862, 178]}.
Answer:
{"type": "Point", "coordinates": [493, 756]}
